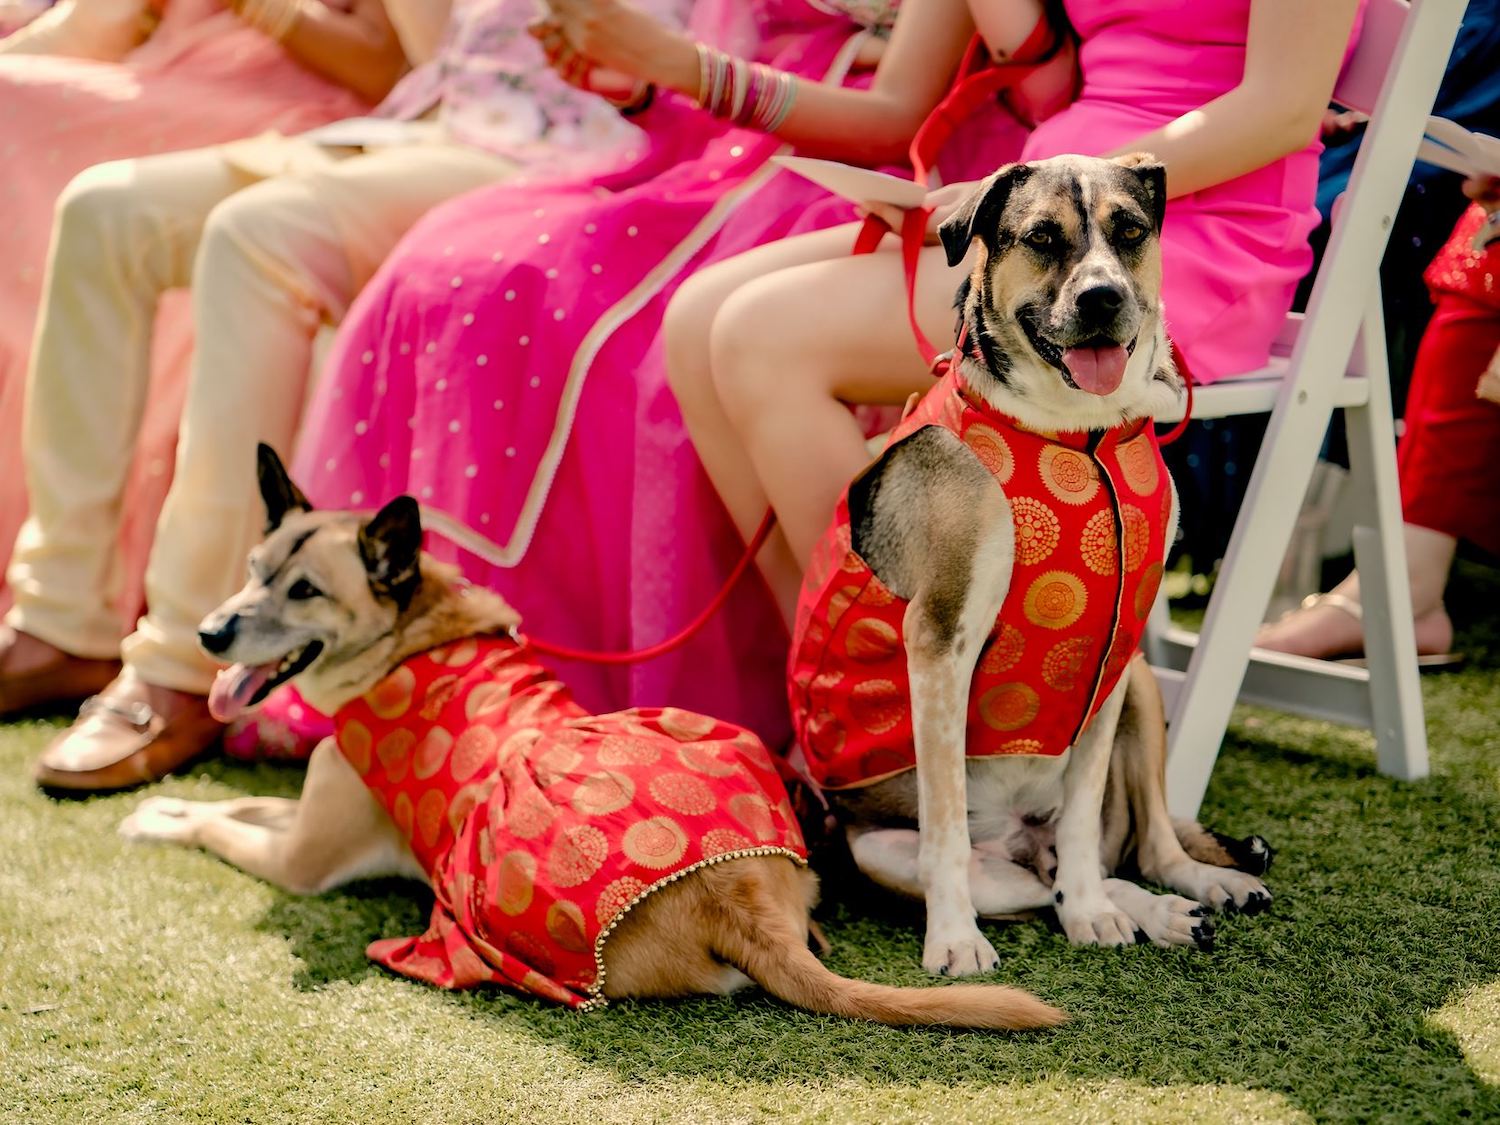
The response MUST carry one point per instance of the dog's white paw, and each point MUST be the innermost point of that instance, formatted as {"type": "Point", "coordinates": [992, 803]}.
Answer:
{"type": "Point", "coordinates": [168, 819]}
{"type": "Point", "coordinates": [1223, 888]}
{"type": "Point", "coordinates": [1165, 920]}
{"type": "Point", "coordinates": [961, 953]}
{"type": "Point", "coordinates": [1096, 922]}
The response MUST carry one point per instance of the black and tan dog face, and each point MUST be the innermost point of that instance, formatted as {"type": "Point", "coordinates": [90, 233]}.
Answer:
{"type": "Point", "coordinates": [1063, 306]}
{"type": "Point", "coordinates": [324, 595]}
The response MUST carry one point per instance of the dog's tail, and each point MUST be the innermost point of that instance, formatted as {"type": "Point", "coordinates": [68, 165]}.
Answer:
{"type": "Point", "coordinates": [763, 944]}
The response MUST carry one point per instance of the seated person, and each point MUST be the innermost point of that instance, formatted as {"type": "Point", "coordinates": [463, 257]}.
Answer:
{"type": "Point", "coordinates": [204, 73]}
{"type": "Point", "coordinates": [1449, 486]}
{"type": "Point", "coordinates": [275, 236]}
{"type": "Point", "coordinates": [766, 350]}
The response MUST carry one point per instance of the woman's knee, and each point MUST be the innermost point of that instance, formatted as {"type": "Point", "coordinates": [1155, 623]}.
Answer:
{"type": "Point", "coordinates": [97, 201]}
{"type": "Point", "coordinates": [688, 328]}
{"type": "Point", "coordinates": [760, 347]}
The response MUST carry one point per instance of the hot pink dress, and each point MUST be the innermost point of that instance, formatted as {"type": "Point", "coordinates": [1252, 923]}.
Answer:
{"type": "Point", "coordinates": [202, 78]}
{"type": "Point", "coordinates": [506, 365]}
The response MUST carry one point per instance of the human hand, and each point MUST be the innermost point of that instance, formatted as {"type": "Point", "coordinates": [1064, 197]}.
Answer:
{"type": "Point", "coordinates": [589, 35]}
{"type": "Point", "coordinates": [942, 202]}
{"type": "Point", "coordinates": [578, 71]}
{"type": "Point", "coordinates": [1489, 382]}
{"type": "Point", "coordinates": [1484, 190]}
{"type": "Point", "coordinates": [1340, 123]}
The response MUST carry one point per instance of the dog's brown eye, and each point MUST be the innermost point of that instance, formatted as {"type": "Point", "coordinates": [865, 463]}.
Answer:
{"type": "Point", "coordinates": [1039, 239]}
{"type": "Point", "coordinates": [301, 590]}
{"type": "Point", "coordinates": [1132, 233]}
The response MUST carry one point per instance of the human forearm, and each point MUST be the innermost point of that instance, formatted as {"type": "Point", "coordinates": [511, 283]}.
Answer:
{"type": "Point", "coordinates": [357, 48]}
{"type": "Point", "coordinates": [1292, 58]}
{"type": "Point", "coordinates": [419, 26]}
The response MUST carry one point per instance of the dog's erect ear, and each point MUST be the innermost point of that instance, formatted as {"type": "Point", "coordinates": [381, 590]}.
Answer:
{"type": "Point", "coordinates": [391, 546]}
{"type": "Point", "coordinates": [276, 488]}
{"type": "Point", "coordinates": [1153, 176]}
{"type": "Point", "coordinates": [978, 215]}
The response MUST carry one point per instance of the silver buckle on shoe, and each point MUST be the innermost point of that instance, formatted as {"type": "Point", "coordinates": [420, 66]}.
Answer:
{"type": "Point", "coordinates": [136, 712]}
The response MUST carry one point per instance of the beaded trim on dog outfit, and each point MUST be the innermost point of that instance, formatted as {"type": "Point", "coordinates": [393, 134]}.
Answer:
{"type": "Point", "coordinates": [541, 826]}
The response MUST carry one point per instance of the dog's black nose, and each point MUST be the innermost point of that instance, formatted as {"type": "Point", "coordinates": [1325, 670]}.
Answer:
{"type": "Point", "coordinates": [217, 641]}
{"type": "Point", "coordinates": [1100, 301]}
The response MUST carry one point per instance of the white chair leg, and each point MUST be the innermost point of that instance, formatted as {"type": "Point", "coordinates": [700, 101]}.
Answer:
{"type": "Point", "coordinates": [1385, 589]}
{"type": "Point", "coordinates": [1283, 469]}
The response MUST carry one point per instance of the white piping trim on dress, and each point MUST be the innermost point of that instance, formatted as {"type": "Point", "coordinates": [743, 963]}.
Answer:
{"type": "Point", "coordinates": [615, 317]}
{"type": "Point", "coordinates": [596, 998]}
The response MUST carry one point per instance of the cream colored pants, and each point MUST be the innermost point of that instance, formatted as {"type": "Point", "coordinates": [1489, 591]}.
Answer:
{"type": "Point", "coordinates": [269, 261]}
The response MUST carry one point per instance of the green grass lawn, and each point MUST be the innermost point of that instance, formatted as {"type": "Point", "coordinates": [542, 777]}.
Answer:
{"type": "Point", "coordinates": [144, 982]}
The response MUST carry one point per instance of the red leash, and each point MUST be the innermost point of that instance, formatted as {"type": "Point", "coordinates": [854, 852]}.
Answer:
{"type": "Point", "coordinates": [563, 652]}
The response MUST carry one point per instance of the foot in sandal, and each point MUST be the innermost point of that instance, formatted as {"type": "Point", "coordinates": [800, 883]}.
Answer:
{"type": "Point", "coordinates": [1329, 627]}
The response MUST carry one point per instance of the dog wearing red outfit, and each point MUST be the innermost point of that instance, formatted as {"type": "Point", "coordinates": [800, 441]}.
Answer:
{"type": "Point", "coordinates": [964, 647]}
{"type": "Point", "coordinates": [574, 857]}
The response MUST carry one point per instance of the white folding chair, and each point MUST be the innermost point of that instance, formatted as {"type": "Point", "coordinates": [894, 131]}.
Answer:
{"type": "Point", "coordinates": [1331, 357]}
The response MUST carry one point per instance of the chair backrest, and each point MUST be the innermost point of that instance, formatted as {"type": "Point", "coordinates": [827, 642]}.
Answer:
{"type": "Point", "coordinates": [1366, 71]}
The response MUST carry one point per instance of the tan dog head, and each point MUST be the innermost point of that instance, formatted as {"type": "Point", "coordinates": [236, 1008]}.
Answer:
{"type": "Point", "coordinates": [335, 599]}
{"type": "Point", "coordinates": [1063, 306]}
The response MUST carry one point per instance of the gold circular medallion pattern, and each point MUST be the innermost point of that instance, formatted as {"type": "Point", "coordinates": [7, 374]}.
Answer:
{"type": "Point", "coordinates": [394, 752]}
{"type": "Point", "coordinates": [430, 810]}
{"type": "Point", "coordinates": [717, 841]}
{"type": "Point", "coordinates": [871, 640]}
{"type": "Point", "coordinates": [565, 926]}
{"type": "Point", "coordinates": [576, 855]}
{"type": "Point", "coordinates": [1037, 530]}
{"type": "Point", "coordinates": [1069, 475]}
{"type": "Point", "coordinates": [616, 897]}
{"type": "Point", "coordinates": [515, 882]}
{"type": "Point", "coordinates": [355, 742]}
{"type": "Point", "coordinates": [623, 750]}
{"type": "Point", "coordinates": [1009, 707]}
{"type": "Point", "coordinates": [600, 794]}
{"type": "Point", "coordinates": [1055, 600]}
{"type": "Point", "coordinates": [1145, 593]}
{"type": "Point", "coordinates": [472, 749]}
{"type": "Point", "coordinates": [1004, 652]}
{"type": "Point", "coordinates": [1139, 467]}
{"type": "Point", "coordinates": [1065, 662]}
{"type": "Point", "coordinates": [1098, 543]}
{"type": "Point", "coordinates": [878, 706]}
{"type": "Point", "coordinates": [753, 811]}
{"type": "Point", "coordinates": [431, 753]}
{"type": "Point", "coordinates": [992, 450]}
{"type": "Point", "coordinates": [657, 842]}
{"type": "Point", "coordinates": [390, 698]}
{"type": "Point", "coordinates": [1137, 536]}
{"type": "Point", "coordinates": [683, 793]}
{"type": "Point", "coordinates": [685, 726]}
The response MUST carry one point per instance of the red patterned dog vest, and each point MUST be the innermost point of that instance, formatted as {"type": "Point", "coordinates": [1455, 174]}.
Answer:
{"type": "Point", "coordinates": [541, 825]}
{"type": "Point", "coordinates": [1091, 513]}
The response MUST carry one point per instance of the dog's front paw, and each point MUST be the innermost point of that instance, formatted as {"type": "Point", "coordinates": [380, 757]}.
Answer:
{"type": "Point", "coordinates": [1224, 889]}
{"type": "Point", "coordinates": [1165, 920]}
{"type": "Point", "coordinates": [1096, 923]}
{"type": "Point", "coordinates": [167, 819]}
{"type": "Point", "coordinates": [958, 954]}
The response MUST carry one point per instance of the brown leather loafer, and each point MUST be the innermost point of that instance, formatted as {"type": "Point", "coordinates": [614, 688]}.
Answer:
{"type": "Point", "coordinates": [58, 679]}
{"type": "Point", "coordinates": [129, 734]}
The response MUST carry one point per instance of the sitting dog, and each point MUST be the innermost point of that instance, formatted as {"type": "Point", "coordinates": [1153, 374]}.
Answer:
{"type": "Point", "coordinates": [580, 858]}
{"type": "Point", "coordinates": [964, 641]}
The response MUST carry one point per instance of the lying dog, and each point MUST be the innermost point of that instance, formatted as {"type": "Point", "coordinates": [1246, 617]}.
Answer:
{"type": "Point", "coordinates": [647, 853]}
{"type": "Point", "coordinates": [974, 610]}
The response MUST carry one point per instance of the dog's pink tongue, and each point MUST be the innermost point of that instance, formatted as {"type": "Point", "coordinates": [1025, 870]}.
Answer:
{"type": "Point", "coordinates": [234, 687]}
{"type": "Point", "coordinates": [1096, 370]}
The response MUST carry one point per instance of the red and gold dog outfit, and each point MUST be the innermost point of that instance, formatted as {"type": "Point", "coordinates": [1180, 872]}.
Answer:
{"type": "Point", "coordinates": [1091, 512]}
{"type": "Point", "coordinates": [541, 825]}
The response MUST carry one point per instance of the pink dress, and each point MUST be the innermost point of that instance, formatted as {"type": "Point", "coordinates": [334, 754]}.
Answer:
{"type": "Point", "coordinates": [203, 77]}
{"type": "Point", "coordinates": [1232, 254]}
{"type": "Point", "coordinates": [506, 365]}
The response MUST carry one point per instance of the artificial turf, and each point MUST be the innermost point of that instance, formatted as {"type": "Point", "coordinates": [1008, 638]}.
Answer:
{"type": "Point", "coordinates": [143, 982]}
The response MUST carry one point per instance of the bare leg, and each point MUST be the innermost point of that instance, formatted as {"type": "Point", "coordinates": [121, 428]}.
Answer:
{"type": "Point", "coordinates": [335, 832]}
{"type": "Point", "coordinates": [763, 352]}
{"type": "Point", "coordinates": [1327, 631]}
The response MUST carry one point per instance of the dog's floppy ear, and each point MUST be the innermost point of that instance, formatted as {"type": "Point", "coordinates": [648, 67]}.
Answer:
{"type": "Point", "coordinates": [390, 545]}
{"type": "Point", "coordinates": [978, 215]}
{"type": "Point", "coordinates": [1153, 176]}
{"type": "Point", "coordinates": [276, 488]}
